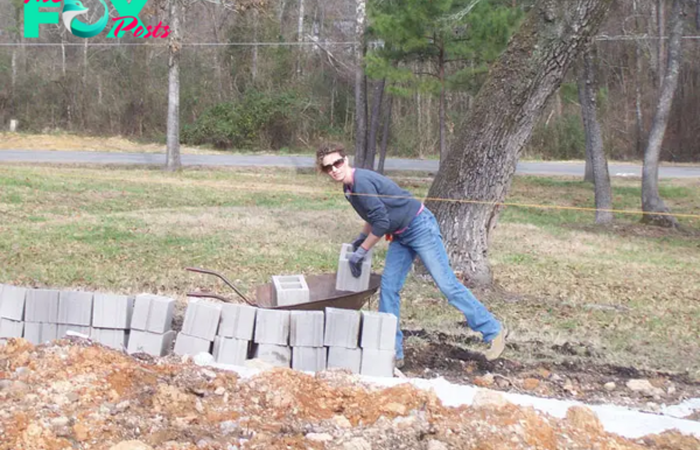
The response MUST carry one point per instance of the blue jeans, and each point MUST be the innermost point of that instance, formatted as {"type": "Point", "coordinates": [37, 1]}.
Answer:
{"type": "Point", "coordinates": [423, 238]}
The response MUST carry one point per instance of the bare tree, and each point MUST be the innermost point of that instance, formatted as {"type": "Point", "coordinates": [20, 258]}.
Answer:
{"type": "Point", "coordinates": [360, 86]}
{"type": "Point", "coordinates": [377, 98]}
{"type": "Point", "coordinates": [651, 200]}
{"type": "Point", "coordinates": [173, 160]}
{"type": "Point", "coordinates": [385, 134]}
{"type": "Point", "coordinates": [587, 89]}
{"type": "Point", "coordinates": [482, 160]}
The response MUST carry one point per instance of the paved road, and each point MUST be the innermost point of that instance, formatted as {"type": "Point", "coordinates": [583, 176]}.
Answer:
{"type": "Point", "coordinates": [524, 168]}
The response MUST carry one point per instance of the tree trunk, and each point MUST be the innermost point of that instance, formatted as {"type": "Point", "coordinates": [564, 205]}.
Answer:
{"type": "Point", "coordinates": [661, 51]}
{"type": "Point", "coordinates": [360, 87]}
{"type": "Point", "coordinates": [651, 200]}
{"type": "Point", "coordinates": [385, 135]}
{"type": "Point", "coordinates": [587, 88]}
{"type": "Point", "coordinates": [300, 35]}
{"type": "Point", "coordinates": [254, 62]}
{"type": "Point", "coordinates": [374, 123]}
{"type": "Point", "coordinates": [173, 161]}
{"type": "Point", "coordinates": [441, 108]}
{"type": "Point", "coordinates": [482, 160]}
{"type": "Point", "coordinates": [639, 119]}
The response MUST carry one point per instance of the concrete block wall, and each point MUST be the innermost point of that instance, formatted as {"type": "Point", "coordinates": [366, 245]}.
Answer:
{"type": "Point", "coordinates": [111, 320]}
{"type": "Point", "coordinates": [151, 325]}
{"type": "Point", "coordinates": [199, 328]}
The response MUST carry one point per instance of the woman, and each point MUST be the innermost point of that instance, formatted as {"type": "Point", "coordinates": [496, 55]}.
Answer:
{"type": "Point", "coordinates": [412, 229]}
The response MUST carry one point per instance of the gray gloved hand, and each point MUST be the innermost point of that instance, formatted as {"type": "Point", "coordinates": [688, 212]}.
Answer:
{"type": "Point", "coordinates": [358, 241]}
{"type": "Point", "coordinates": [355, 261]}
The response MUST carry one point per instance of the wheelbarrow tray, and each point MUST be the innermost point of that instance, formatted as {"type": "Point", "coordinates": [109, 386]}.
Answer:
{"type": "Point", "coordinates": [322, 294]}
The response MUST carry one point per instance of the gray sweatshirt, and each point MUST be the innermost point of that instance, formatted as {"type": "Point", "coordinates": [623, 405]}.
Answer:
{"type": "Point", "coordinates": [381, 202]}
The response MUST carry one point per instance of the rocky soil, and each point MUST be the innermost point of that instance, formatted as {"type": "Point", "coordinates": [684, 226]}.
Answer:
{"type": "Point", "coordinates": [73, 394]}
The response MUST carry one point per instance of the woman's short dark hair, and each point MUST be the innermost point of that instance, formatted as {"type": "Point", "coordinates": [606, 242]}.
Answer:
{"type": "Point", "coordinates": [326, 149]}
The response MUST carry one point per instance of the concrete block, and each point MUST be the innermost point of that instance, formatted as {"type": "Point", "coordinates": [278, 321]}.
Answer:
{"type": "Point", "coordinates": [237, 321]}
{"type": "Point", "coordinates": [344, 280]}
{"type": "Point", "coordinates": [156, 344]}
{"type": "Point", "coordinates": [191, 345]}
{"type": "Point", "coordinates": [342, 328]}
{"type": "Point", "coordinates": [11, 328]}
{"type": "Point", "coordinates": [306, 328]}
{"type": "Point", "coordinates": [272, 326]}
{"type": "Point", "coordinates": [75, 308]}
{"type": "Point", "coordinates": [41, 306]}
{"type": "Point", "coordinates": [38, 333]}
{"type": "Point", "coordinates": [345, 358]}
{"type": "Point", "coordinates": [201, 319]}
{"type": "Point", "coordinates": [290, 290]}
{"type": "Point", "coordinates": [378, 330]}
{"type": "Point", "coordinates": [152, 313]}
{"type": "Point", "coordinates": [63, 330]}
{"type": "Point", "coordinates": [112, 311]}
{"type": "Point", "coordinates": [310, 359]}
{"type": "Point", "coordinates": [12, 302]}
{"type": "Point", "coordinates": [377, 363]}
{"type": "Point", "coordinates": [109, 337]}
{"type": "Point", "coordinates": [231, 350]}
{"type": "Point", "coordinates": [277, 355]}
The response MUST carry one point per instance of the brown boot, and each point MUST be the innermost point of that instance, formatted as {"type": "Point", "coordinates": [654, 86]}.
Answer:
{"type": "Point", "coordinates": [498, 344]}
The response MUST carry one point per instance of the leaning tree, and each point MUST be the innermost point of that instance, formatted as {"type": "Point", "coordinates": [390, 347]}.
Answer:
{"type": "Point", "coordinates": [477, 173]}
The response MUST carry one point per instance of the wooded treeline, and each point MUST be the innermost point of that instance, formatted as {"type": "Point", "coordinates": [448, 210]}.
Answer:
{"type": "Point", "coordinates": [292, 96]}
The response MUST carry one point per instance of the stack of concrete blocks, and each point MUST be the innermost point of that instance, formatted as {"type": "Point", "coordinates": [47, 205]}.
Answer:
{"type": "Point", "coordinates": [111, 319]}
{"type": "Point", "coordinates": [151, 325]}
{"type": "Point", "coordinates": [344, 280]}
{"type": "Point", "coordinates": [341, 338]}
{"type": "Point", "coordinates": [306, 339]}
{"type": "Point", "coordinates": [290, 290]}
{"type": "Point", "coordinates": [235, 333]}
{"type": "Point", "coordinates": [12, 300]}
{"type": "Point", "coordinates": [272, 337]}
{"type": "Point", "coordinates": [41, 316]}
{"type": "Point", "coordinates": [74, 312]}
{"type": "Point", "coordinates": [377, 339]}
{"type": "Point", "coordinates": [199, 328]}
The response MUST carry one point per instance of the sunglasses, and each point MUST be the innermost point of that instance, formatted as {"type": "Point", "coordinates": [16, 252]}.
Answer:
{"type": "Point", "coordinates": [337, 164]}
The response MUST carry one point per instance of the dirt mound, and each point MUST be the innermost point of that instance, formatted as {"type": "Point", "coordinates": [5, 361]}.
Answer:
{"type": "Point", "coordinates": [76, 395]}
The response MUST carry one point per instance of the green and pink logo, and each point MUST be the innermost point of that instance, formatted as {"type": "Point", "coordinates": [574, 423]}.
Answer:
{"type": "Point", "coordinates": [37, 12]}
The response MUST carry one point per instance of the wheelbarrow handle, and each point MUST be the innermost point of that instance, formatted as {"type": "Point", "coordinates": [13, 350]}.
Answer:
{"type": "Point", "coordinates": [223, 278]}
{"type": "Point", "coordinates": [210, 295]}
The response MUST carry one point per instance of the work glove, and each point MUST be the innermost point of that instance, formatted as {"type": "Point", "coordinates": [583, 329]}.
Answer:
{"type": "Point", "coordinates": [355, 261]}
{"type": "Point", "coordinates": [358, 241]}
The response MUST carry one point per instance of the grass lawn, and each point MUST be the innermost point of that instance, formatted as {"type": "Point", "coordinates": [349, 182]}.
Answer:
{"type": "Point", "coordinates": [629, 294]}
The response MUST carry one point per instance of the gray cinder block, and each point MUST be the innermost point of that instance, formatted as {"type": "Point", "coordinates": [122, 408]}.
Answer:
{"type": "Point", "coordinates": [277, 355]}
{"type": "Point", "coordinates": [344, 280]}
{"type": "Point", "coordinates": [12, 302]}
{"type": "Point", "coordinates": [342, 328]}
{"type": "Point", "coordinates": [272, 327]}
{"type": "Point", "coordinates": [290, 290]}
{"type": "Point", "coordinates": [114, 338]}
{"type": "Point", "coordinates": [11, 328]}
{"type": "Point", "coordinates": [237, 321]}
{"type": "Point", "coordinates": [230, 350]}
{"type": "Point", "coordinates": [191, 345]}
{"type": "Point", "coordinates": [201, 319]}
{"type": "Point", "coordinates": [38, 333]}
{"type": "Point", "coordinates": [152, 313]}
{"type": "Point", "coordinates": [306, 328]}
{"type": "Point", "coordinates": [64, 328]}
{"type": "Point", "coordinates": [378, 330]}
{"type": "Point", "coordinates": [377, 363]}
{"type": "Point", "coordinates": [75, 308]}
{"type": "Point", "coordinates": [345, 358]}
{"type": "Point", "coordinates": [112, 311]}
{"type": "Point", "coordinates": [41, 306]}
{"type": "Point", "coordinates": [156, 344]}
{"type": "Point", "coordinates": [310, 359]}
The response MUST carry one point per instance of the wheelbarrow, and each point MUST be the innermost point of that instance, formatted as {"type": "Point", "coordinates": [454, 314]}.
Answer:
{"type": "Point", "coordinates": [322, 293]}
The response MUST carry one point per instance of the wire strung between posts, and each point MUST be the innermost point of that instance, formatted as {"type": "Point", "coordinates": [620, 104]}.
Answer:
{"type": "Point", "coordinates": [528, 205]}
